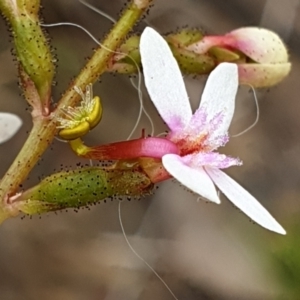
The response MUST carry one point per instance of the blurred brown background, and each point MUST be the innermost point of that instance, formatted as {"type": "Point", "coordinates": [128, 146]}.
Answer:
{"type": "Point", "coordinates": [202, 250]}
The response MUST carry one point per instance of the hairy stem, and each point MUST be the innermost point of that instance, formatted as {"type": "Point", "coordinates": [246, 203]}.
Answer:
{"type": "Point", "coordinates": [44, 128]}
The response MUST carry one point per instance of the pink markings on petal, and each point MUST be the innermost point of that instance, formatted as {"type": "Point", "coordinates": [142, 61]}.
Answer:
{"type": "Point", "coordinates": [143, 147]}
{"type": "Point", "coordinates": [175, 123]}
{"type": "Point", "coordinates": [215, 142]}
{"type": "Point", "coordinates": [212, 159]}
{"type": "Point", "coordinates": [191, 134]}
{"type": "Point", "coordinates": [202, 124]}
{"type": "Point", "coordinates": [199, 135]}
{"type": "Point", "coordinates": [219, 95]}
{"type": "Point", "coordinates": [198, 122]}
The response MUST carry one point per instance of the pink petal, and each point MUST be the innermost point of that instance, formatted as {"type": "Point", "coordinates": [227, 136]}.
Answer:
{"type": "Point", "coordinates": [211, 159]}
{"type": "Point", "coordinates": [195, 179]}
{"type": "Point", "coordinates": [201, 124]}
{"type": "Point", "coordinates": [244, 200]}
{"type": "Point", "coordinates": [219, 95]}
{"type": "Point", "coordinates": [9, 125]}
{"type": "Point", "coordinates": [163, 80]}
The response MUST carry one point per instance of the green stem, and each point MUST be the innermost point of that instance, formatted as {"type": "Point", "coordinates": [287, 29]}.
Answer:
{"type": "Point", "coordinates": [44, 129]}
{"type": "Point", "coordinates": [98, 62]}
{"type": "Point", "coordinates": [24, 162]}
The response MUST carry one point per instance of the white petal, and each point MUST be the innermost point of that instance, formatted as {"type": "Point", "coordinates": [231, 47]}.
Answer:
{"type": "Point", "coordinates": [244, 200]}
{"type": "Point", "coordinates": [219, 94]}
{"type": "Point", "coordinates": [195, 179]}
{"type": "Point", "coordinates": [163, 80]}
{"type": "Point", "coordinates": [9, 125]}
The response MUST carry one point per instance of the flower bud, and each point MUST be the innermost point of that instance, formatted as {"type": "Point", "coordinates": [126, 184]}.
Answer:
{"type": "Point", "coordinates": [31, 47]}
{"type": "Point", "coordinates": [260, 54]}
{"type": "Point", "coordinates": [127, 57]}
{"type": "Point", "coordinates": [266, 58]}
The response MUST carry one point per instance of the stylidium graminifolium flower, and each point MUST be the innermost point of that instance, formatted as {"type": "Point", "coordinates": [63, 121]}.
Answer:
{"type": "Point", "coordinates": [188, 152]}
{"type": "Point", "coordinates": [198, 136]}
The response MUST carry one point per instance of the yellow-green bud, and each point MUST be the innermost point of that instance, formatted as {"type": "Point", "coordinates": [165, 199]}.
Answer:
{"type": "Point", "coordinates": [127, 57]}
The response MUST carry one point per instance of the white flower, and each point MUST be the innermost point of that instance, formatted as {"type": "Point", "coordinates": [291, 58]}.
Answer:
{"type": "Point", "coordinates": [198, 135]}
{"type": "Point", "coordinates": [9, 125]}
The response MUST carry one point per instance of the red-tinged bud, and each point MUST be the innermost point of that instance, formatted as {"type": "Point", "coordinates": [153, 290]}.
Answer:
{"type": "Point", "coordinates": [127, 57]}
{"type": "Point", "coordinates": [267, 61]}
